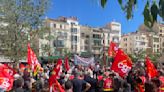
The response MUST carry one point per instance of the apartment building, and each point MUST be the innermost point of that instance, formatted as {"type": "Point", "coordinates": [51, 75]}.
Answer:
{"type": "Point", "coordinates": [134, 42]}
{"type": "Point", "coordinates": [69, 36]}
{"type": "Point", "coordinates": [85, 38]}
{"type": "Point", "coordinates": [115, 31]}
{"type": "Point", "coordinates": [66, 36]}
{"type": "Point", "coordinates": [161, 35]}
{"type": "Point", "coordinates": [154, 43]}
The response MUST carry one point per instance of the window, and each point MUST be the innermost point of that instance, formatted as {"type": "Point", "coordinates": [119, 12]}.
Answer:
{"type": "Point", "coordinates": [54, 25]}
{"type": "Point", "coordinates": [60, 26]}
{"type": "Point", "coordinates": [160, 30]}
{"type": "Point", "coordinates": [74, 30]}
{"type": "Point", "coordinates": [142, 43]}
{"type": "Point", "coordinates": [86, 41]}
{"type": "Point", "coordinates": [60, 43]}
{"type": "Point", "coordinates": [59, 33]}
{"type": "Point", "coordinates": [74, 47]}
{"type": "Point", "coordinates": [87, 36]}
{"type": "Point", "coordinates": [82, 34]}
{"type": "Point", "coordinates": [157, 46]}
{"type": "Point", "coordinates": [65, 35]}
{"type": "Point", "coordinates": [154, 45]}
{"type": "Point", "coordinates": [156, 39]}
{"type": "Point", "coordinates": [74, 39]}
{"type": "Point", "coordinates": [97, 42]}
{"type": "Point", "coordinates": [125, 39]}
{"type": "Point", "coordinates": [72, 23]}
{"type": "Point", "coordinates": [97, 36]}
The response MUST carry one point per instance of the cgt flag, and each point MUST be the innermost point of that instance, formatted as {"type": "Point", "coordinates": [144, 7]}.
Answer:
{"type": "Point", "coordinates": [112, 49]}
{"type": "Point", "coordinates": [32, 60]}
{"type": "Point", "coordinates": [6, 77]}
{"type": "Point", "coordinates": [150, 69]}
{"type": "Point", "coordinates": [122, 63]}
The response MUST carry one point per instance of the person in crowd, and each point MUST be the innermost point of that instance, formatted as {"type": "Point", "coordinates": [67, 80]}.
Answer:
{"type": "Point", "coordinates": [108, 82]}
{"type": "Point", "coordinates": [68, 86]}
{"type": "Point", "coordinates": [91, 81]}
{"type": "Point", "coordinates": [19, 85]}
{"type": "Point", "coordinates": [78, 84]}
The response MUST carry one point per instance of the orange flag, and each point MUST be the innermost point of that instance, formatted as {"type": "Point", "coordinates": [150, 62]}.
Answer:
{"type": "Point", "coordinates": [112, 49]}
{"type": "Point", "coordinates": [67, 67]}
{"type": "Point", "coordinates": [150, 69]}
{"type": "Point", "coordinates": [32, 60]}
{"type": "Point", "coordinates": [122, 63]}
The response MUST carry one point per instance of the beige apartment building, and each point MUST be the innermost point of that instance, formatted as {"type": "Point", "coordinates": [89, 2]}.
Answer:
{"type": "Point", "coordinates": [66, 36]}
{"type": "Point", "coordinates": [69, 36]}
{"type": "Point", "coordinates": [161, 35]}
{"type": "Point", "coordinates": [134, 42]}
{"type": "Point", "coordinates": [85, 38]}
{"type": "Point", "coordinates": [115, 31]}
{"type": "Point", "coordinates": [154, 43]}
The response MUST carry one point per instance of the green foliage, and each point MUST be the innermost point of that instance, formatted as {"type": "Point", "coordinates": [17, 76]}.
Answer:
{"type": "Point", "coordinates": [103, 3]}
{"type": "Point", "coordinates": [20, 20]}
{"type": "Point", "coordinates": [152, 9]}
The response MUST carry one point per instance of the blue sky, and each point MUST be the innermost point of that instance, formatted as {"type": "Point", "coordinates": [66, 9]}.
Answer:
{"type": "Point", "coordinates": [89, 12]}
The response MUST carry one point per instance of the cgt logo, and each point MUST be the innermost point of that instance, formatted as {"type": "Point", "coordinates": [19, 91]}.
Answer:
{"type": "Point", "coordinates": [4, 83]}
{"type": "Point", "coordinates": [124, 68]}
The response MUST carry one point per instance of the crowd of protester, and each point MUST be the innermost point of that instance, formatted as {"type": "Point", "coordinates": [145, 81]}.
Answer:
{"type": "Point", "coordinates": [93, 78]}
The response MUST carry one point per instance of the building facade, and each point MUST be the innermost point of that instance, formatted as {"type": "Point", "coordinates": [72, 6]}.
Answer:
{"type": "Point", "coordinates": [161, 35]}
{"type": "Point", "coordinates": [134, 42]}
{"type": "Point", "coordinates": [69, 36]}
{"type": "Point", "coordinates": [65, 34]}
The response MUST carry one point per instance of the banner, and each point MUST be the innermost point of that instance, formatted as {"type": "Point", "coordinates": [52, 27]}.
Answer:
{"type": "Point", "coordinates": [122, 63]}
{"type": "Point", "coordinates": [6, 77]}
{"type": "Point", "coordinates": [83, 61]}
{"type": "Point", "coordinates": [150, 69]}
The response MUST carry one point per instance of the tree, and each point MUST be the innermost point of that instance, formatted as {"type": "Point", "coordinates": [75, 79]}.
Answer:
{"type": "Point", "coordinates": [20, 20]}
{"type": "Point", "coordinates": [152, 9]}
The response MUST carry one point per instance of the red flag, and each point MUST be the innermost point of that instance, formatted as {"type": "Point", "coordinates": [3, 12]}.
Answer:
{"type": "Point", "coordinates": [57, 68]}
{"type": "Point", "coordinates": [55, 85]}
{"type": "Point", "coordinates": [52, 80]}
{"type": "Point", "coordinates": [112, 49]}
{"type": "Point", "coordinates": [67, 64]}
{"type": "Point", "coordinates": [150, 69]}
{"type": "Point", "coordinates": [6, 77]}
{"type": "Point", "coordinates": [122, 63]}
{"type": "Point", "coordinates": [32, 60]}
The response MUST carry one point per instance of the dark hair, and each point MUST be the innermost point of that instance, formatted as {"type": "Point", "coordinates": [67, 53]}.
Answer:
{"type": "Point", "coordinates": [19, 82]}
{"type": "Point", "coordinates": [68, 85]}
{"type": "Point", "coordinates": [149, 87]}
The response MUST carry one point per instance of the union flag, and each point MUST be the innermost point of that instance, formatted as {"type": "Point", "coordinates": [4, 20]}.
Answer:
{"type": "Point", "coordinates": [32, 60]}
{"type": "Point", "coordinates": [6, 77]}
{"type": "Point", "coordinates": [122, 63]}
{"type": "Point", "coordinates": [112, 50]}
{"type": "Point", "coordinates": [150, 69]}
